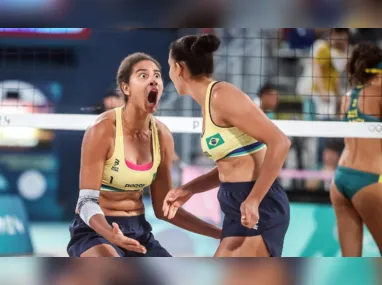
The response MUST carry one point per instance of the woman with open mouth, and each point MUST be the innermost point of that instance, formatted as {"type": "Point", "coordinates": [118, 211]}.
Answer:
{"type": "Point", "coordinates": [123, 152]}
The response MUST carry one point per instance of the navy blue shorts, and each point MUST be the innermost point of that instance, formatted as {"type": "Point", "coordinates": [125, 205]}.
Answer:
{"type": "Point", "coordinates": [82, 237]}
{"type": "Point", "coordinates": [274, 213]}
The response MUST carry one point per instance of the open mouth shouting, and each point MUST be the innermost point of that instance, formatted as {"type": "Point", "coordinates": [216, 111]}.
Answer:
{"type": "Point", "coordinates": [152, 98]}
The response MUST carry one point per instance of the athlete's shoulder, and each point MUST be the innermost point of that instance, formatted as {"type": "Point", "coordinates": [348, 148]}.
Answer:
{"type": "Point", "coordinates": [224, 86]}
{"type": "Point", "coordinates": [373, 93]}
{"type": "Point", "coordinates": [103, 125]}
{"type": "Point", "coordinates": [228, 100]}
{"type": "Point", "coordinates": [373, 90]}
{"type": "Point", "coordinates": [224, 91]}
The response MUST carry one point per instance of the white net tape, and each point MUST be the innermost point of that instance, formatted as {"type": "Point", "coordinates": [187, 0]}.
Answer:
{"type": "Point", "coordinates": [194, 125]}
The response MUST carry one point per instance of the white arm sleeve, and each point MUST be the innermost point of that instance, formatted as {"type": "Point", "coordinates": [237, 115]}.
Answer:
{"type": "Point", "coordinates": [88, 204]}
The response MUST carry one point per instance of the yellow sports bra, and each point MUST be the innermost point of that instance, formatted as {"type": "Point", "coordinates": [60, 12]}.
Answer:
{"type": "Point", "coordinates": [120, 175]}
{"type": "Point", "coordinates": [221, 142]}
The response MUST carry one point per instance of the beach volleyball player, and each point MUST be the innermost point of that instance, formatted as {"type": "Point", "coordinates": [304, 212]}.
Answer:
{"type": "Point", "coordinates": [123, 152]}
{"type": "Point", "coordinates": [356, 191]}
{"type": "Point", "coordinates": [249, 151]}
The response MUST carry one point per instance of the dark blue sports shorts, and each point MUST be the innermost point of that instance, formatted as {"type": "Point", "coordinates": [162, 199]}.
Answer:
{"type": "Point", "coordinates": [82, 237]}
{"type": "Point", "coordinates": [274, 213]}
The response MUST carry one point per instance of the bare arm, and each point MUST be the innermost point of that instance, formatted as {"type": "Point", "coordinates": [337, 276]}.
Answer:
{"type": "Point", "coordinates": [93, 156]}
{"type": "Point", "coordinates": [163, 184]}
{"type": "Point", "coordinates": [237, 109]}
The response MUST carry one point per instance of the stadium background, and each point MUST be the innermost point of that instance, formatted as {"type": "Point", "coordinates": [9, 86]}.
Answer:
{"type": "Point", "coordinates": [70, 71]}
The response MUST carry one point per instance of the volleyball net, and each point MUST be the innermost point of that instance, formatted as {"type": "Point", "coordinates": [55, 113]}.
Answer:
{"type": "Point", "coordinates": [51, 91]}
{"type": "Point", "coordinates": [54, 83]}
{"type": "Point", "coordinates": [193, 125]}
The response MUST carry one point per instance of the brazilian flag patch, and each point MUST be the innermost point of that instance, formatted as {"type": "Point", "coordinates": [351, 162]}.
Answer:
{"type": "Point", "coordinates": [214, 141]}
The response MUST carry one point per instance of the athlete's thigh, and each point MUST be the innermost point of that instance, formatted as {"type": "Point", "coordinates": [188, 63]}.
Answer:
{"type": "Point", "coordinates": [349, 224]}
{"type": "Point", "coordinates": [368, 203]}
{"type": "Point", "coordinates": [252, 246]}
{"type": "Point", "coordinates": [101, 250]}
{"type": "Point", "coordinates": [153, 247]}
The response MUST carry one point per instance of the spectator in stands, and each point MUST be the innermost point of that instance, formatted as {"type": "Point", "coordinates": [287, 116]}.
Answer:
{"type": "Point", "coordinates": [111, 100]}
{"type": "Point", "coordinates": [299, 38]}
{"type": "Point", "coordinates": [320, 83]}
{"type": "Point", "coordinates": [268, 97]}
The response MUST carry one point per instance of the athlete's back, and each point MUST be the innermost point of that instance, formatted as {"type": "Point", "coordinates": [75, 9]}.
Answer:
{"type": "Point", "coordinates": [363, 104]}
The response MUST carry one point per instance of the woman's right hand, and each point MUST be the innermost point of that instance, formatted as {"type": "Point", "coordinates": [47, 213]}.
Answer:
{"type": "Point", "coordinates": [119, 239]}
{"type": "Point", "coordinates": [175, 199]}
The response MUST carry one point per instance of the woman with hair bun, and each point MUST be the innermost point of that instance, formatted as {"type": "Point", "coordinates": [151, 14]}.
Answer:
{"type": "Point", "coordinates": [249, 151]}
